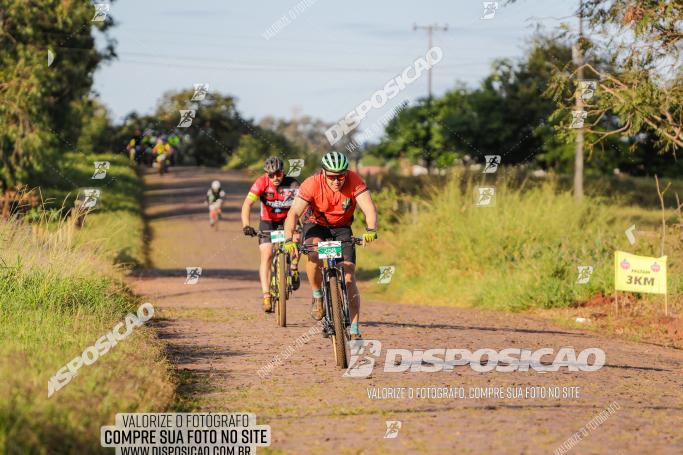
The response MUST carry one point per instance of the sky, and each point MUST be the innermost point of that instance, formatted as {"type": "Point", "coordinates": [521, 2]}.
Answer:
{"type": "Point", "coordinates": [328, 58]}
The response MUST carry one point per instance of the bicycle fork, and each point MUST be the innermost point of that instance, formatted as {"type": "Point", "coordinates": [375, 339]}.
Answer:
{"type": "Point", "coordinates": [328, 325]}
{"type": "Point", "coordinates": [274, 273]}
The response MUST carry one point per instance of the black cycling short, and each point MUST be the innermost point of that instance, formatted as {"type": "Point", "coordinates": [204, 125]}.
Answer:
{"type": "Point", "coordinates": [331, 233]}
{"type": "Point", "coordinates": [265, 225]}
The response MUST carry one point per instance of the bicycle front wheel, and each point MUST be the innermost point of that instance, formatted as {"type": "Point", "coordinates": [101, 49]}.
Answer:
{"type": "Point", "coordinates": [281, 308]}
{"type": "Point", "coordinates": [339, 337]}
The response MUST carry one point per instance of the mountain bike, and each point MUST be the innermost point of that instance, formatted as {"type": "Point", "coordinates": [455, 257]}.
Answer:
{"type": "Point", "coordinates": [280, 275]}
{"type": "Point", "coordinates": [337, 319]}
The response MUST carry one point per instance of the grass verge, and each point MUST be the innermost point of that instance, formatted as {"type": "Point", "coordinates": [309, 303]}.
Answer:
{"type": "Point", "coordinates": [520, 254]}
{"type": "Point", "coordinates": [115, 225]}
{"type": "Point", "coordinates": [58, 295]}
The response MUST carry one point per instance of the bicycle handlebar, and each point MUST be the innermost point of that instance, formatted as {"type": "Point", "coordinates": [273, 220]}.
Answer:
{"type": "Point", "coordinates": [307, 248]}
{"type": "Point", "coordinates": [267, 233]}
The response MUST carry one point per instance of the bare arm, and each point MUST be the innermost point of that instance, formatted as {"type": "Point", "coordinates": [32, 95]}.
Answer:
{"type": "Point", "coordinates": [246, 211]}
{"type": "Point", "coordinates": [364, 201]}
{"type": "Point", "coordinates": [298, 209]}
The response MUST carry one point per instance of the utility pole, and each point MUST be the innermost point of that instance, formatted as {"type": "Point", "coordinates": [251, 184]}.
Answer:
{"type": "Point", "coordinates": [430, 29]}
{"type": "Point", "coordinates": [427, 148]}
{"type": "Point", "coordinates": [578, 158]}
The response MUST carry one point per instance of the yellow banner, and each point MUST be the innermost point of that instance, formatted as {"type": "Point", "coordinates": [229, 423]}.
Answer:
{"type": "Point", "coordinates": [639, 273]}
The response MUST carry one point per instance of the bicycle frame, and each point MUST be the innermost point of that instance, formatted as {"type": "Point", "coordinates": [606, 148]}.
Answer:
{"type": "Point", "coordinates": [330, 266]}
{"type": "Point", "coordinates": [278, 250]}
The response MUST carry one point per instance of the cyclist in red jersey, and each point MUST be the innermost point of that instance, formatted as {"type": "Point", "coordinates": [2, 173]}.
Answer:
{"type": "Point", "coordinates": [327, 201]}
{"type": "Point", "coordinates": [276, 193]}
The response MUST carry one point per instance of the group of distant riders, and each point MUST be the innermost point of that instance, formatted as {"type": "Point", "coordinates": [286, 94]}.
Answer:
{"type": "Point", "coordinates": [154, 150]}
{"type": "Point", "coordinates": [320, 208]}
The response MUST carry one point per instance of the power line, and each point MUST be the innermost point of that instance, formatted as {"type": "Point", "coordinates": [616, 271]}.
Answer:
{"type": "Point", "coordinates": [430, 29]}
{"type": "Point", "coordinates": [255, 68]}
{"type": "Point", "coordinates": [305, 68]}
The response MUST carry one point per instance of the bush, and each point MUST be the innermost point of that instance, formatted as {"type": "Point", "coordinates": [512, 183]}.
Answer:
{"type": "Point", "coordinates": [523, 252]}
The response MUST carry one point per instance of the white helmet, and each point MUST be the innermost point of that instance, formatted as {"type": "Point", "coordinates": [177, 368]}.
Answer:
{"type": "Point", "coordinates": [215, 185]}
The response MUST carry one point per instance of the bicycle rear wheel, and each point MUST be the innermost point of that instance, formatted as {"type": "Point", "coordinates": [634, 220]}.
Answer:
{"type": "Point", "coordinates": [273, 285]}
{"type": "Point", "coordinates": [339, 337]}
{"type": "Point", "coordinates": [281, 306]}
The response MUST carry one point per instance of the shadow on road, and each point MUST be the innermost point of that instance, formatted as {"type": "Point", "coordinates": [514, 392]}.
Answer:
{"type": "Point", "coordinates": [180, 212]}
{"type": "Point", "coordinates": [238, 274]}
{"type": "Point", "coordinates": [462, 327]}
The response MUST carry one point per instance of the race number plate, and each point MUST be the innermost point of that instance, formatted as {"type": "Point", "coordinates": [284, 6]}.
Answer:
{"type": "Point", "coordinates": [277, 236]}
{"type": "Point", "coordinates": [329, 250]}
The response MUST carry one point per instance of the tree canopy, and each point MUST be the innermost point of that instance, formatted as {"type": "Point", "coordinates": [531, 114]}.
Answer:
{"type": "Point", "coordinates": [39, 112]}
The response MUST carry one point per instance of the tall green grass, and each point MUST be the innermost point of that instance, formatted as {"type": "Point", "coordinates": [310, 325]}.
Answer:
{"type": "Point", "coordinates": [56, 299]}
{"type": "Point", "coordinates": [115, 225]}
{"type": "Point", "coordinates": [521, 253]}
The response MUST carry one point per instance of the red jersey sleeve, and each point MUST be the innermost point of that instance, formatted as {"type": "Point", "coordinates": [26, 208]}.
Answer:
{"type": "Point", "coordinates": [307, 189]}
{"type": "Point", "coordinates": [258, 186]}
{"type": "Point", "coordinates": [358, 185]}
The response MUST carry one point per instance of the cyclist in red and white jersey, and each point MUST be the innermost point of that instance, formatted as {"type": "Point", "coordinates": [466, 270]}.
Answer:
{"type": "Point", "coordinates": [276, 192]}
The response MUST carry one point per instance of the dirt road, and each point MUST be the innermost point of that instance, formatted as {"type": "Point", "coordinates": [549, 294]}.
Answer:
{"type": "Point", "coordinates": [219, 338]}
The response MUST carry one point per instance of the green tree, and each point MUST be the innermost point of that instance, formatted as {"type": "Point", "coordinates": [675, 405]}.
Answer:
{"type": "Point", "coordinates": [215, 131]}
{"type": "Point", "coordinates": [642, 87]}
{"type": "Point", "coordinates": [307, 134]}
{"type": "Point", "coordinates": [39, 109]}
{"type": "Point", "coordinates": [96, 129]}
{"type": "Point", "coordinates": [218, 135]}
{"type": "Point", "coordinates": [506, 115]}
{"type": "Point", "coordinates": [417, 134]}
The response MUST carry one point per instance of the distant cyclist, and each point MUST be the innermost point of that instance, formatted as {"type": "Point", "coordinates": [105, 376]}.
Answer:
{"type": "Point", "coordinates": [214, 199]}
{"type": "Point", "coordinates": [148, 141]}
{"type": "Point", "coordinates": [327, 201]}
{"type": "Point", "coordinates": [276, 193]}
{"type": "Point", "coordinates": [135, 147]}
{"type": "Point", "coordinates": [174, 142]}
{"type": "Point", "coordinates": [162, 152]}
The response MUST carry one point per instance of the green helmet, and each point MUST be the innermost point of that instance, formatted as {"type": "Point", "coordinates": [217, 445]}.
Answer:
{"type": "Point", "coordinates": [335, 162]}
